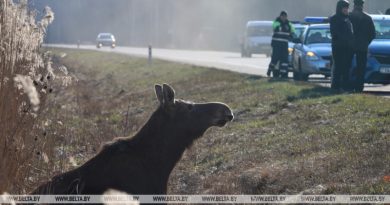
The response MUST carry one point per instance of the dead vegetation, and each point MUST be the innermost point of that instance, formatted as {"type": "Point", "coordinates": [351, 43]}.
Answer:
{"type": "Point", "coordinates": [25, 81]}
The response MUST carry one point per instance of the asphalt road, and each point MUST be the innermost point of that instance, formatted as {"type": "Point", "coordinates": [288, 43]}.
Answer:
{"type": "Point", "coordinates": [257, 65]}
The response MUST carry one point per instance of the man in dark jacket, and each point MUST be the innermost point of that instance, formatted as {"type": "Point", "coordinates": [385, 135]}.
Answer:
{"type": "Point", "coordinates": [283, 31]}
{"type": "Point", "coordinates": [364, 32]}
{"type": "Point", "coordinates": [342, 44]}
{"type": "Point", "coordinates": [388, 12]}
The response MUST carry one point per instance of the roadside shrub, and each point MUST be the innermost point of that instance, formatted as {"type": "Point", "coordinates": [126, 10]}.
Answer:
{"type": "Point", "coordinates": [25, 76]}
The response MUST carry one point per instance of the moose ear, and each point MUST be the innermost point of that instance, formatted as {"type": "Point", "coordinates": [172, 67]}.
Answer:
{"type": "Point", "coordinates": [159, 93]}
{"type": "Point", "coordinates": [169, 94]}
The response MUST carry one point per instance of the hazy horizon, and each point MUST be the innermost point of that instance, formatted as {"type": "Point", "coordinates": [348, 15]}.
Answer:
{"type": "Point", "coordinates": [203, 24]}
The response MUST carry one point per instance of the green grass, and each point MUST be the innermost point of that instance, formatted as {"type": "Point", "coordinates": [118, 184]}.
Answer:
{"type": "Point", "coordinates": [294, 136]}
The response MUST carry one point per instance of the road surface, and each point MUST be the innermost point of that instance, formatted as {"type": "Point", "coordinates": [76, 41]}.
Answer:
{"type": "Point", "coordinates": [257, 65]}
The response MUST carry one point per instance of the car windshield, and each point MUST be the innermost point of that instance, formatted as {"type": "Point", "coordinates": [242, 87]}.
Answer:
{"type": "Point", "coordinates": [105, 36]}
{"type": "Point", "coordinates": [382, 28]}
{"type": "Point", "coordinates": [318, 35]}
{"type": "Point", "coordinates": [260, 31]}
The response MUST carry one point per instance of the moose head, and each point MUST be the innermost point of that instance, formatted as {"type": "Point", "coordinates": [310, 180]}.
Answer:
{"type": "Point", "coordinates": [189, 120]}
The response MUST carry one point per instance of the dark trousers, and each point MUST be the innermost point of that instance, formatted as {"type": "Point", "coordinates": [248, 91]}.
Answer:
{"type": "Point", "coordinates": [279, 54]}
{"type": "Point", "coordinates": [361, 64]}
{"type": "Point", "coordinates": [342, 62]}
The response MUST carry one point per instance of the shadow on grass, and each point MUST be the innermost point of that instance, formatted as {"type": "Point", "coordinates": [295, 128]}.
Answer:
{"type": "Point", "coordinates": [254, 77]}
{"type": "Point", "coordinates": [275, 80]}
{"type": "Point", "coordinates": [378, 93]}
{"type": "Point", "coordinates": [309, 93]}
{"type": "Point", "coordinates": [312, 93]}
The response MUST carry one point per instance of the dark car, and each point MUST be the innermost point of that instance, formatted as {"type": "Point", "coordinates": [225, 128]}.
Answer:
{"type": "Point", "coordinates": [105, 39]}
{"type": "Point", "coordinates": [378, 65]}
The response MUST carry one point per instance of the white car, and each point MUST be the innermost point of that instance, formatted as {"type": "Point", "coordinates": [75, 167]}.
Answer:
{"type": "Point", "coordinates": [105, 39]}
{"type": "Point", "coordinates": [257, 38]}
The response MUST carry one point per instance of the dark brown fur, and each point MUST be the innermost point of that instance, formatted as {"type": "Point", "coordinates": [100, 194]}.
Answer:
{"type": "Point", "coordinates": [142, 164]}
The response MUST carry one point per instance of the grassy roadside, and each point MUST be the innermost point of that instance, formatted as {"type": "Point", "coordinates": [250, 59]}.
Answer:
{"type": "Point", "coordinates": [286, 138]}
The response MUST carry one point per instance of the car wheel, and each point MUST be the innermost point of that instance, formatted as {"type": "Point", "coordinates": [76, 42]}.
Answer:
{"type": "Point", "coordinates": [299, 75]}
{"type": "Point", "coordinates": [303, 76]}
{"type": "Point", "coordinates": [295, 69]}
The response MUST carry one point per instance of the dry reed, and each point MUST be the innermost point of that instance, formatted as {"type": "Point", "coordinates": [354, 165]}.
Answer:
{"type": "Point", "coordinates": [25, 76]}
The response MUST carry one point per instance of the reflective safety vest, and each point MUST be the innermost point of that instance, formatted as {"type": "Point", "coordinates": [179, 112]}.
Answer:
{"type": "Point", "coordinates": [282, 31]}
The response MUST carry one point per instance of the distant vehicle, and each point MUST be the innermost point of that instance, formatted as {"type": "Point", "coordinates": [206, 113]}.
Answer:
{"type": "Point", "coordinates": [378, 63]}
{"type": "Point", "coordinates": [313, 52]}
{"type": "Point", "coordinates": [105, 39]}
{"type": "Point", "coordinates": [257, 38]}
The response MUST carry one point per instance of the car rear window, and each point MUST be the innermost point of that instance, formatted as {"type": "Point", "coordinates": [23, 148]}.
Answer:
{"type": "Point", "coordinates": [259, 31]}
{"type": "Point", "coordinates": [105, 36]}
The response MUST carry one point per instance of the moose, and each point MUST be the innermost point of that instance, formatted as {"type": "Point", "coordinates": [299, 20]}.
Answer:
{"type": "Point", "coordinates": [141, 164]}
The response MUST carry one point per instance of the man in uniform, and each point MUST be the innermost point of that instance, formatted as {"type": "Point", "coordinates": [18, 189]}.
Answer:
{"type": "Point", "coordinates": [342, 46]}
{"type": "Point", "coordinates": [283, 31]}
{"type": "Point", "coordinates": [364, 32]}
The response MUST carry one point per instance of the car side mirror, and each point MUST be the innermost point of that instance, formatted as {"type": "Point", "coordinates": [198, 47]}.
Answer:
{"type": "Point", "coordinates": [296, 40]}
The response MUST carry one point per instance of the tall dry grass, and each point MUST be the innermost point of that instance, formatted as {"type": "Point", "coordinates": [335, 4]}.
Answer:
{"type": "Point", "coordinates": [25, 75]}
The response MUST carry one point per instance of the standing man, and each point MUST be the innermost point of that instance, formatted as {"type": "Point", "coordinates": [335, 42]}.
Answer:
{"type": "Point", "coordinates": [342, 44]}
{"type": "Point", "coordinates": [364, 32]}
{"type": "Point", "coordinates": [283, 31]}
